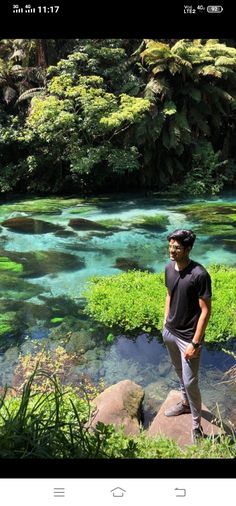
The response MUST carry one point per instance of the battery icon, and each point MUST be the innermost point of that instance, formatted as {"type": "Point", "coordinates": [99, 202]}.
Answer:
{"type": "Point", "coordinates": [214, 9]}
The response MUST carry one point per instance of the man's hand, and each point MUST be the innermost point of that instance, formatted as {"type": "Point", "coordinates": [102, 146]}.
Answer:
{"type": "Point", "coordinates": [191, 352]}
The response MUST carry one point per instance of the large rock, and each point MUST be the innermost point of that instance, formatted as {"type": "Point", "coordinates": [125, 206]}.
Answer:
{"type": "Point", "coordinates": [120, 404]}
{"type": "Point", "coordinates": [179, 427]}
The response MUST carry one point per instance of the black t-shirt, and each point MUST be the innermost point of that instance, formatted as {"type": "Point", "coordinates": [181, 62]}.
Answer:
{"type": "Point", "coordinates": [185, 287]}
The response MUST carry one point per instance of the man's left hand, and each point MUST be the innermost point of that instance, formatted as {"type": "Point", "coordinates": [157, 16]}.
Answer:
{"type": "Point", "coordinates": [191, 352]}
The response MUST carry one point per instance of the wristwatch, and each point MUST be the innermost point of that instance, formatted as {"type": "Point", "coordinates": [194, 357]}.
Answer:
{"type": "Point", "coordinates": [195, 345]}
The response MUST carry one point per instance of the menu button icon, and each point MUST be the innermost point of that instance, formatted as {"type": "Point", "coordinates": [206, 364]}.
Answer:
{"type": "Point", "coordinates": [58, 492]}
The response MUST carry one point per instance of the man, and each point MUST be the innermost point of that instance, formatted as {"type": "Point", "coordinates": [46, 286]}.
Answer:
{"type": "Point", "coordinates": [187, 311]}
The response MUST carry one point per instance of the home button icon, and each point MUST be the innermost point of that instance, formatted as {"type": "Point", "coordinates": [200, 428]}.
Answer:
{"type": "Point", "coordinates": [118, 492]}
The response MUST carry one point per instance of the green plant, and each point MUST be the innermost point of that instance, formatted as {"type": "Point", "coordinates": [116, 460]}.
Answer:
{"type": "Point", "coordinates": [222, 323]}
{"type": "Point", "coordinates": [56, 424]}
{"type": "Point", "coordinates": [133, 300]}
{"type": "Point", "coordinates": [207, 172]}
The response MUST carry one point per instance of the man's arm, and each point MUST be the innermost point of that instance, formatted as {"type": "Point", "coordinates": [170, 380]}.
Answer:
{"type": "Point", "coordinates": [205, 305]}
{"type": "Point", "coordinates": [167, 307]}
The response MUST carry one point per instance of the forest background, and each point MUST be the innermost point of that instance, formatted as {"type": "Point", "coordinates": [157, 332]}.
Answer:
{"type": "Point", "coordinates": [91, 116]}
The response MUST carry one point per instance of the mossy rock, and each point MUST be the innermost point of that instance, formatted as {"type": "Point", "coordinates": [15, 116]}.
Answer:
{"type": "Point", "coordinates": [40, 263]}
{"type": "Point", "coordinates": [230, 244]}
{"type": "Point", "coordinates": [212, 219]}
{"type": "Point", "coordinates": [65, 233]}
{"type": "Point", "coordinates": [80, 342]}
{"type": "Point", "coordinates": [12, 287]}
{"type": "Point", "coordinates": [80, 209]}
{"type": "Point", "coordinates": [49, 205]}
{"type": "Point", "coordinates": [157, 223]}
{"type": "Point", "coordinates": [65, 306]}
{"type": "Point", "coordinates": [215, 231]}
{"type": "Point", "coordinates": [208, 209]}
{"type": "Point", "coordinates": [113, 224]}
{"type": "Point", "coordinates": [84, 224]}
{"type": "Point", "coordinates": [129, 264]}
{"type": "Point", "coordinates": [25, 225]}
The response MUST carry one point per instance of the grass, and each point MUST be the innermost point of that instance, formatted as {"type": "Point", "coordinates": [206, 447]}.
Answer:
{"type": "Point", "coordinates": [57, 425]}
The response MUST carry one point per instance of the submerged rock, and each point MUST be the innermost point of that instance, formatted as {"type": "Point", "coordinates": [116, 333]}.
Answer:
{"type": "Point", "coordinates": [129, 264]}
{"type": "Point", "coordinates": [30, 226]}
{"type": "Point", "coordinates": [40, 263]}
{"type": "Point", "coordinates": [65, 233]}
{"type": "Point", "coordinates": [12, 287]}
{"type": "Point", "coordinates": [84, 224]}
{"type": "Point", "coordinates": [80, 342]}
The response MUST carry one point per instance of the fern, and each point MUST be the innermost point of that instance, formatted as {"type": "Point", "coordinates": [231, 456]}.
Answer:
{"type": "Point", "coordinates": [28, 94]}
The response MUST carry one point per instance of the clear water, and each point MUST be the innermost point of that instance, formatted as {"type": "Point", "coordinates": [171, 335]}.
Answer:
{"type": "Point", "coordinates": [140, 359]}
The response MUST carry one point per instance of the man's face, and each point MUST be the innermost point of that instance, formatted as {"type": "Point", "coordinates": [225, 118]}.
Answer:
{"type": "Point", "coordinates": [177, 251]}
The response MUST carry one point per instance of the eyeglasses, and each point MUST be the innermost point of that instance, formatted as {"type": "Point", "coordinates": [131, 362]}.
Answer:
{"type": "Point", "coordinates": [175, 248]}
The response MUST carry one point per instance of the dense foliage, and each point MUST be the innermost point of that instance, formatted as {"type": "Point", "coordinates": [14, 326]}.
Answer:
{"type": "Point", "coordinates": [93, 115]}
{"type": "Point", "coordinates": [135, 301]}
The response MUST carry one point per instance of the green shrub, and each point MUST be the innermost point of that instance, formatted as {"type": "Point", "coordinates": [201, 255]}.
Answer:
{"type": "Point", "coordinates": [132, 300]}
{"type": "Point", "coordinates": [222, 324]}
{"type": "Point", "coordinates": [135, 301]}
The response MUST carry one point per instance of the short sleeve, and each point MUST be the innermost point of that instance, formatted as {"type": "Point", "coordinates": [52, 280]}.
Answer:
{"type": "Point", "coordinates": [204, 286]}
{"type": "Point", "coordinates": [166, 277]}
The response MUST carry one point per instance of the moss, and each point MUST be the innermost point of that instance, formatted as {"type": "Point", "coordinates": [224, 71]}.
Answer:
{"type": "Point", "coordinates": [7, 265]}
{"type": "Point", "coordinates": [57, 319]}
{"type": "Point", "coordinates": [115, 222]}
{"type": "Point", "coordinates": [218, 231]}
{"type": "Point", "coordinates": [83, 209]}
{"type": "Point", "coordinates": [43, 205]}
{"type": "Point", "coordinates": [156, 222]}
{"type": "Point", "coordinates": [7, 323]}
{"type": "Point", "coordinates": [212, 219]}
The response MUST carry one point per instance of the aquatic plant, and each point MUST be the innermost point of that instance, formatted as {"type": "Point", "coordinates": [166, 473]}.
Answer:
{"type": "Point", "coordinates": [57, 319]}
{"type": "Point", "coordinates": [7, 265]}
{"type": "Point", "coordinates": [156, 222]}
{"type": "Point", "coordinates": [212, 218]}
{"type": "Point", "coordinates": [7, 322]}
{"type": "Point", "coordinates": [35, 205]}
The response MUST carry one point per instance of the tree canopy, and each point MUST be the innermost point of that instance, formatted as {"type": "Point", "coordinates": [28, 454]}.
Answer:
{"type": "Point", "coordinates": [93, 115]}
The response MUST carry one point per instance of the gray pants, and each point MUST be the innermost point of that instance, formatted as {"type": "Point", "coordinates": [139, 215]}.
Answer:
{"type": "Point", "coordinates": [187, 371]}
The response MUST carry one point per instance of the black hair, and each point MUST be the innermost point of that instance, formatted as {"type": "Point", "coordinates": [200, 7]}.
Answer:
{"type": "Point", "coordinates": [185, 237]}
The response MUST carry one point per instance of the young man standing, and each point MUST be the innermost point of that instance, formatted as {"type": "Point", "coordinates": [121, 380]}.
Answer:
{"type": "Point", "coordinates": [187, 311]}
